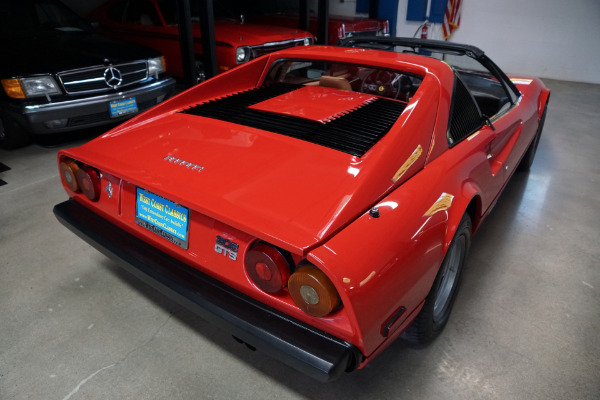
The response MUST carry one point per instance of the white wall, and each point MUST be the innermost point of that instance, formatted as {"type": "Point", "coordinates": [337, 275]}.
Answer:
{"type": "Point", "coordinates": [557, 39]}
{"type": "Point", "coordinates": [546, 38]}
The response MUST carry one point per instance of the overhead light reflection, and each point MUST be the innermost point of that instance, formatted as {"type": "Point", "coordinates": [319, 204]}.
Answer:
{"type": "Point", "coordinates": [391, 204]}
{"type": "Point", "coordinates": [353, 171]}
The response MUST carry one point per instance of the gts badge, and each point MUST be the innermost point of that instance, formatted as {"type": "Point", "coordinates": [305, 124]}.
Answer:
{"type": "Point", "coordinates": [227, 247]}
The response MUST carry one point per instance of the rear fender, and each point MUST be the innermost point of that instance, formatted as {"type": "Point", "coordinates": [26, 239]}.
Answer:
{"type": "Point", "coordinates": [384, 263]}
{"type": "Point", "coordinates": [469, 203]}
{"type": "Point", "coordinates": [543, 102]}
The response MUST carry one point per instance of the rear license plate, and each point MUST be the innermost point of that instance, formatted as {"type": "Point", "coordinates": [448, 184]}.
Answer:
{"type": "Point", "coordinates": [123, 107]}
{"type": "Point", "coordinates": [163, 217]}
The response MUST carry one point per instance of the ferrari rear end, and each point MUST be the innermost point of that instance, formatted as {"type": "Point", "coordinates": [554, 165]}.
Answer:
{"type": "Point", "coordinates": [295, 343]}
{"type": "Point", "coordinates": [216, 200]}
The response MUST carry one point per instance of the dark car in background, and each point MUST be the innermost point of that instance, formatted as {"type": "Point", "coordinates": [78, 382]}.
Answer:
{"type": "Point", "coordinates": [57, 75]}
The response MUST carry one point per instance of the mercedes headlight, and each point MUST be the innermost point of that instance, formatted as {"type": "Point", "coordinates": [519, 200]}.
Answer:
{"type": "Point", "coordinates": [156, 66]}
{"type": "Point", "coordinates": [30, 87]}
{"type": "Point", "coordinates": [39, 86]}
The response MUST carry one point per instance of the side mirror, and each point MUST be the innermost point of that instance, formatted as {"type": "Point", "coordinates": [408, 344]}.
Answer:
{"type": "Point", "coordinates": [487, 121]}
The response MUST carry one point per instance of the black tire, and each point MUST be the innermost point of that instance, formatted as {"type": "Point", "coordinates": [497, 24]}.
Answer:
{"type": "Point", "coordinates": [12, 135]}
{"type": "Point", "coordinates": [438, 304]}
{"type": "Point", "coordinates": [527, 160]}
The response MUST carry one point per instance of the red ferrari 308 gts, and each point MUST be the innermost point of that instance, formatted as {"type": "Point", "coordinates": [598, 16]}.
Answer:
{"type": "Point", "coordinates": [318, 202]}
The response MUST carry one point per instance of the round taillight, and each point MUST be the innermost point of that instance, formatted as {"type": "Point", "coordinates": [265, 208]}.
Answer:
{"type": "Point", "coordinates": [89, 182]}
{"type": "Point", "coordinates": [267, 267]}
{"type": "Point", "coordinates": [312, 291]}
{"type": "Point", "coordinates": [68, 173]}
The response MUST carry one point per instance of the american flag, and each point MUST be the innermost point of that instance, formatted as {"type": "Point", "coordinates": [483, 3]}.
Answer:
{"type": "Point", "coordinates": [451, 18]}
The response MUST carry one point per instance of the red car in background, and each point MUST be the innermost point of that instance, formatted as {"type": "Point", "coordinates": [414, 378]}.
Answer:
{"type": "Point", "coordinates": [339, 26]}
{"type": "Point", "coordinates": [285, 13]}
{"type": "Point", "coordinates": [154, 23]}
{"type": "Point", "coordinates": [318, 202]}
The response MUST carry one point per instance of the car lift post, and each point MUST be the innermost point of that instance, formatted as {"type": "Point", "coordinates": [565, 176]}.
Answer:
{"type": "Point", "coordinates": [303, 23]}
{"type": "Point", "coordinates": [322, 33]}
{"type": "Point", "coordinates": [209, 44]}
{"type": "Point", "coordinates": [186, 39]}
{"type": "Point", "coordinates": [186, 42]}
{"type": "Point", "coordinates": [373, 8]}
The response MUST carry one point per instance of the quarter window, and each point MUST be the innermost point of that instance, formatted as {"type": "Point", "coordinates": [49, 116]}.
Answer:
{"type": "Point", "coordinates": [465, 117]}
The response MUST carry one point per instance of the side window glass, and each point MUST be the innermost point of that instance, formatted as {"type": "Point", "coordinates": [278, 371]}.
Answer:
{"type": "Point", "coordinates": [489, 93]}
{"type": "Point", "coordinates": [465, 117]}
{"type": "Point", "coordinates": [489, 88]}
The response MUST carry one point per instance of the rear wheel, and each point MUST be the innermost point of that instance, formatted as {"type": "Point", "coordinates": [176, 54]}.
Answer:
{"type": "Point", "coordinates": [436, 311]}
{"type": "Point", "coordinates": [12, 135]}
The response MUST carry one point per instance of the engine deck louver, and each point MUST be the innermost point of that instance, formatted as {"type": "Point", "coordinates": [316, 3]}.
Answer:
{"type": "Point", "coordinates": [353, 133]}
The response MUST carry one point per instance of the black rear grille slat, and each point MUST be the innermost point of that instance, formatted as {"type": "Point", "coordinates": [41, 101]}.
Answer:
{"type": "Point", "coordinates": [250, 97]}
{"type": "Point", "coordinates": [354, 132]}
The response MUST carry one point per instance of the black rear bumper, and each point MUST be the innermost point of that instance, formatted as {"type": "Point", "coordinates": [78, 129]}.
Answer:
{"type": "Point", "coordinates": [309, 350]}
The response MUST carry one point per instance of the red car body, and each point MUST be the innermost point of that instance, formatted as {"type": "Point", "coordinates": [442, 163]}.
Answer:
{"type": "Point", "coordinates": [376, 219]}
{"type": "Point", "coordinates": [153, 23]}
{"type": "Point", "coordinates": [286, 13]}
{"type": "Point", "coordinates": [339, 26]}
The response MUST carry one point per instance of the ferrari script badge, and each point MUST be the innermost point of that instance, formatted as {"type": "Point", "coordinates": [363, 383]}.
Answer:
{"type": "Point", "coordinates": [183, 163]}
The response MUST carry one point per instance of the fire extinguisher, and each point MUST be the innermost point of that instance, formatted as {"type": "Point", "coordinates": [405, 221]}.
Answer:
{"type": "Point", "coordinates": [424, 30]}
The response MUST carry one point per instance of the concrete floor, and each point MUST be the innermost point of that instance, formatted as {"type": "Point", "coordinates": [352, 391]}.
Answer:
{"type": "Point", "coordinates": [525, 325]}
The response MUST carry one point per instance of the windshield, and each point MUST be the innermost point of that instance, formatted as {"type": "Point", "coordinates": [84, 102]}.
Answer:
{"type": "Point", "coordinates": [33, 17]}
{"type": "Point", "coordinates": [393, 84]}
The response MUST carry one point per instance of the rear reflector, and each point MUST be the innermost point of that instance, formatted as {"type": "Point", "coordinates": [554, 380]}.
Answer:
{"type": "Point", "coordinates": [89, 182]}
{"type": "Point", "coordinates": [68, 173]}
{"type": "Point", "coordinates": [267, 267]}
{"type": "Point", "coordinates": [312, 291]}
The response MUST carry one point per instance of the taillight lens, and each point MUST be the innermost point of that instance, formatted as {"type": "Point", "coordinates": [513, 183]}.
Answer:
{"type": "Point", "coordinates": [312, 291]}
{"type": "Point", "coordinates": [88, 180]}
{"type": "Point", "coordinates": [68, 173]}
{"type": "Point", "coordinates": [267, 267]}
